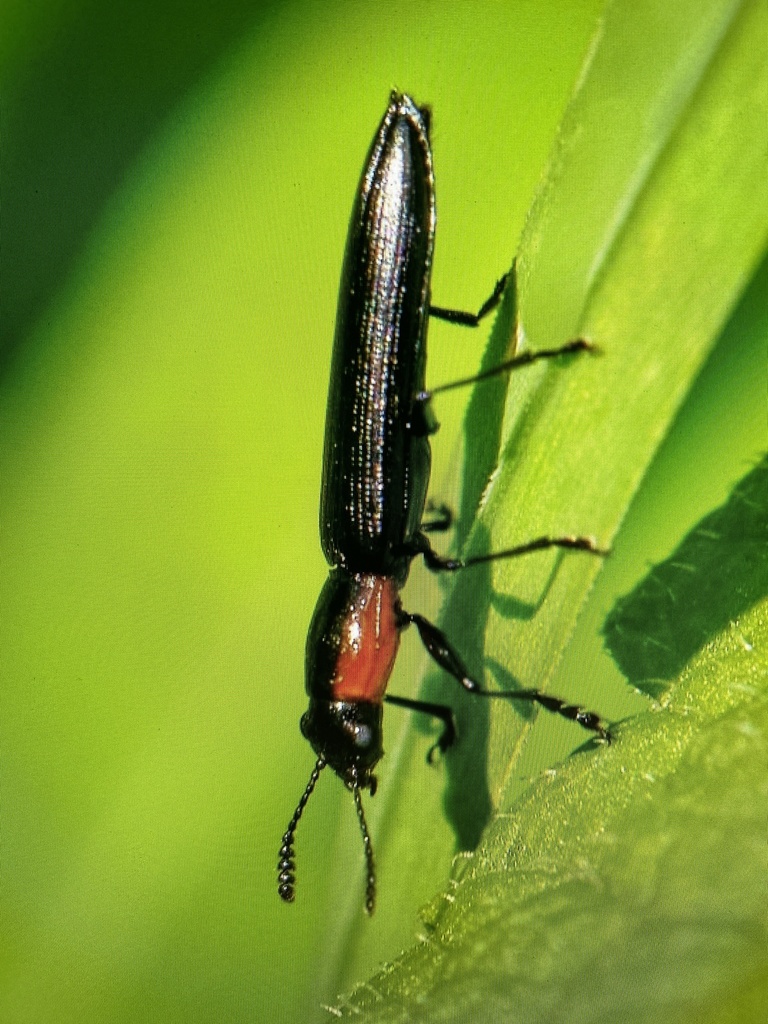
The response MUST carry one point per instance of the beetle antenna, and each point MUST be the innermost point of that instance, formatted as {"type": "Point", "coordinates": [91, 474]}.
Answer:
{"type": "Point", "coordinates": [286, 866]}
{"type": "Point", "coordinates": [370, 885]}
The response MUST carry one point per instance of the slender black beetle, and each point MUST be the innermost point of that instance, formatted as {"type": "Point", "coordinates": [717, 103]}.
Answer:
{"type": "Point", "coordinates": [375, 475]}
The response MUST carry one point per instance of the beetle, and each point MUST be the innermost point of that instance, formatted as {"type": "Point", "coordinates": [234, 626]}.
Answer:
{"type": "Point", "coordinates": [376, 467]}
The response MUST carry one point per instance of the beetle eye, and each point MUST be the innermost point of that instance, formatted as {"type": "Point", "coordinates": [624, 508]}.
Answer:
{"type": "Point", "coordinates": [362, 736]}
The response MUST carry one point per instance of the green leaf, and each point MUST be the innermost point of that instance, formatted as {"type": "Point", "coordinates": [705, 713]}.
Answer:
{"type": "Point", "coordinates": [649, 225]}
{"type": "Point", "coordinates": [176, 189]}
{"type": "Point", "coordinates": [629, 886]}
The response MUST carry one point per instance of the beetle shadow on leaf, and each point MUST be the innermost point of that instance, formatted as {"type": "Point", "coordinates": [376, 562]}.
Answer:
{"type": "Point", "coordinates": [485, 414]}
{"type": "Point", "coordinates": [467, 800]}
{"type": "Point", "coordinates": [467, 797]}
{"type": "Point", "coordinates": [464, 615]}
{"type": "Point", "coordinates": [718, 572]}
{"type": "Point", "coordinates": [510, 607]}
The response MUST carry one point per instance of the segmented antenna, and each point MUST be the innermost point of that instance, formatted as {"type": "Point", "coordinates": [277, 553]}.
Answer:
{"type": "Point", "coordinates": [286, 866]}
{"type": "Point", "coordinates": [370, 886]}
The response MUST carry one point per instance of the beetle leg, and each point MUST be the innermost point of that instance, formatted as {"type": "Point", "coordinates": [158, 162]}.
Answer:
{"type": "Point", "coordinates": [437, 563]}
{"type": "Point", "coordinates": [515, 363]}
{"type": "Point", "coordinates": [443, 519]}
{"type": "Point", "coordinates": [458, 316]}
{"type": "Point", "coordinates": [442, 711]}
{"type": "Point", "coordinates": [440, 649]}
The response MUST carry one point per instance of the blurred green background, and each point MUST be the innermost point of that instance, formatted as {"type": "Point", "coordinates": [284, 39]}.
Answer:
{"type": "Point", "coordinates": [176, 184]}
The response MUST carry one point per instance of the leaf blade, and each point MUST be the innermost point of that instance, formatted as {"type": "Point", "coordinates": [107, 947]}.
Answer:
{"type": "Point", "coordinates": [595, 400]}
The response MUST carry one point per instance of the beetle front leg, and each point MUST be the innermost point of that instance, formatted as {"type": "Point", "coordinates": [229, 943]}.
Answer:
{"type": "Point", "coordinates": [441, 650]}
{"type": "Point", "coordinates": [447, 737]}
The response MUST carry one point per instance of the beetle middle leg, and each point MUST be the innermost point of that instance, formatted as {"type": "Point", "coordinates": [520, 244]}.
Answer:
{"type": "Point", "coordinates": [437, 563]}
{"type": "Point", "coordinates": [516, 362]}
